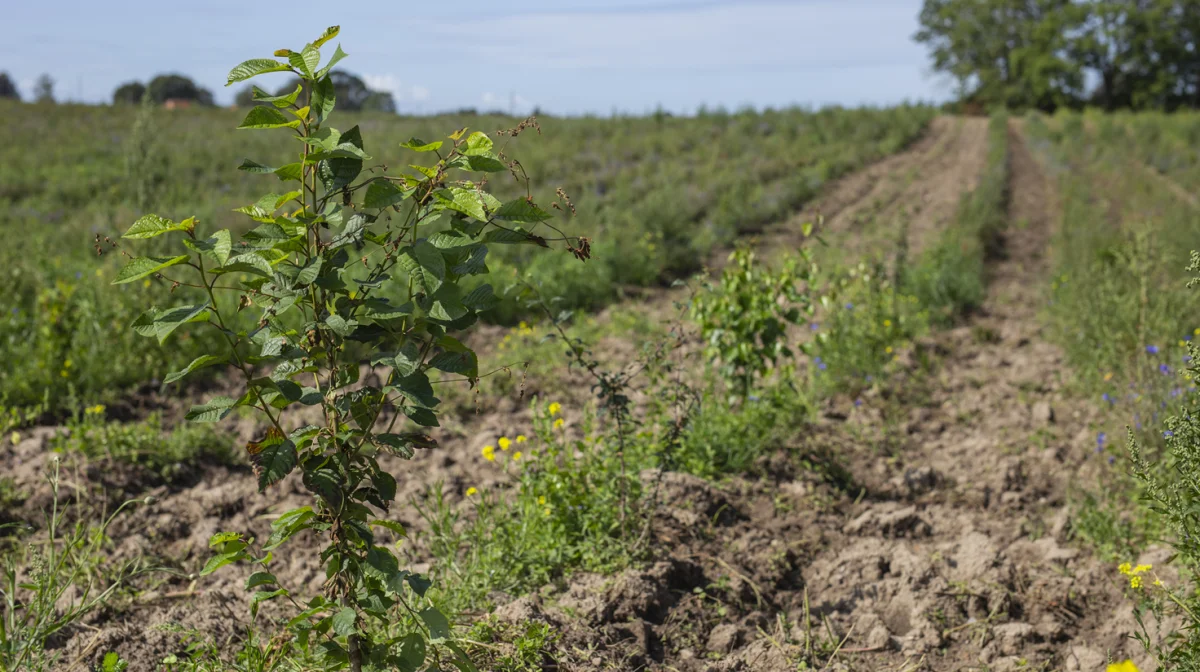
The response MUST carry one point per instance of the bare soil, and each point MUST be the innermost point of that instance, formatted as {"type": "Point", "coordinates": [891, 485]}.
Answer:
{"type": "Point", "coordinates": [937, 539]}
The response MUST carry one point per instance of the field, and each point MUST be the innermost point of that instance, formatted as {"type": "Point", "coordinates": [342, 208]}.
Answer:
{"type": "Point", "coordinates": [938, 479]}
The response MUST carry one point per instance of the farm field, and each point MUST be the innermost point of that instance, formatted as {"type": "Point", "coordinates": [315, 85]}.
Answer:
{"type": "Point", "coordinates": [938, 480]}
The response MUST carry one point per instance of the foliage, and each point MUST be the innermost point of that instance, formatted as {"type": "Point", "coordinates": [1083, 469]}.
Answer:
{"type": "Point", "coordinates": [49, 582]}
{"type": "Point", "coordinates": [175, 86]}
{"type": "Point", "coordinates": [353, 94]}
{"type": "Point", "coordinates": [743, 320]}
{"type": "Point", "coordinates": [350, 259]}
{"type": "Point", "coordinates": [43, 89]}
{"type": "Point", "coordinates": [129, 93]}
{"type": "Point", "coordinates": [1039, 54]}
{"type": "Point", "coordinates": [8, 89]}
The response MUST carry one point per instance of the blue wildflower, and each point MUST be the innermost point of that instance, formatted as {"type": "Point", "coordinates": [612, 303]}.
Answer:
{"type": "Point", "coordinates": [1111, 459]}
{"type": "Point", "coordinates": [1168, 434]}
{"type": "Point", "coordinates": [1152, 349]}
{"type": "Point", "coordinates": [1108, 397]}
{"type": "Point", "coordinates": [849, 306]}
{"type": "Point", "coordinates": [814, 326]}
{"type": "Point", "coordinates": [78, 275]}
{"type": "Point", "coordinates": [858, 402]}
{"type": "Point", "coordinates": [1164, 369]}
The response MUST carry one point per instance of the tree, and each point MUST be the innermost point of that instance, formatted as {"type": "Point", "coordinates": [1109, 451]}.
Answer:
{"type": "Point", "coordinates": [43, 89]}
{"type": "Point", "coordinates": [380, 101]}
{"type": "Point", "coordinates": [1009, 52]}
{"type": "Point", "coordinates": [7, 88]}
{"type": "Point", "coordinates": [351, 91]}
{"type": "Point", "coordinates": [130, 93]}
{"type": "Point", "coordinates": [168, 86]}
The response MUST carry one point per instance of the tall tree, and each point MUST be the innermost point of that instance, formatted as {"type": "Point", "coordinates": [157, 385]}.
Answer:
{"type": "Point", "coordinates": [7, 88]}
{"type": "Point", "coordinates": [166, 87]}
{"type": "Point", "coordinates": [43, 89]}
{"type": "Point", "coordinates": [129, 93]}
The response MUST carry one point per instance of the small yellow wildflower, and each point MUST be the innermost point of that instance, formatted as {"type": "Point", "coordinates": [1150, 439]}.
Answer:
{"type": "Point", "coordinates": [1196, 331]}
{"type": "Point", "coordinates": [1182, 343]}
{"type": "Point", "coordinates": [516, 456]}
{"type": "Point", "coordinates": [1126, 666]}
{"type": "Point", "coordinates": [547, 511]}
{"type": "Point", "coordinates": [63, 373]}
{"type": "Point", "coordinates": [1124, 567]}
{"type": "Point", "coordinates": [489, 453]}
{"type": "Point", "coordinates": [888, 349]}
{"type": "Point", "coordinates": [99, 272]}
{"type": "Point", "coordinates": [1158, 582]}
{"type": "Point", "coordinates": [542, 500]}
{"type": "Point", "coordinates": [1135, 582]}
{"type": "Point", "coordinates": [1141, 569]}
{"type": "Point", "coordinates": [521, 438]}
{"type": "Point", "coordinates": [558, 423]}
{"type": "Point", "coordinates": [554, 408]}
{"type": "Point", "coordinates": [15, 438]}
{"type": "Point", "coordinates": [146, 282]}
{"type": "Point", "coordinates": [887, 323]}
{"type": "Point", "coordinates": [504, 443]}
{"type": "Point", "coordinates": [1108, 376]}
{"type": "Point", "coordinates": [95, 410]}
{"type": "Point", "coordinates": [67, 364]}
{"type": "Point", "coordinates": [471, 491]}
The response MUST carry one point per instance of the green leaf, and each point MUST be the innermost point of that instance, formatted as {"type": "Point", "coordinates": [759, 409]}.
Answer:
{"type": "Point", "coordinates": [306, 61]}
{"type": "Point", "coordinates": [280, 101]}
{"type": "Point", "coordinates": [255, 167]}
{"type": "Point", "coordinates": [150, 226]}
{"type": "Point", "coordinates": [160, 324]}
{"type": "Point", "coordinates": [140, 267]}
{"type": "Point", "coordinates": [253, 67]}
{"type": "Point", "coordinates": [478, 144]}
{"type": "Point", "coordinates": [419, 584]}
{"type": "Point", "coordinates": [420, 145]}
{"type": "Point", "coordinates": [330, 33]}
{"type": "Point", "coordinates": [486, 164]}
{"type": "Point", "coordinates": [395, 528]}
{"type": "Point", "coordinates": [264, 596]}
{"type": "Point", "coordinates": [411, 657]}
{"type": "Point", "coordinates": [481, 298]}
{"type": "Point", "coordinates": [446, 304]}
{"type": "Point", "coordinates": [461, 660]}
{"type": "Point", "coordinates": [514, 236]}
{"type": "Point", "coordinates": [197, 363]}
{"type": "Point", "coordinates": [439, 627]}
{"type": "Point", "coordinates": [261, 117]}
{"type": "Point", "coordinates": [425, 264]}
{"type": "Point", "coordinates": [396, 444]}
{"type": "Point", "coordinates": [222, 538]}
{"type": "Point", "coordinates": [344, 621]}
{"type": "Point", "coordinates": [292, 171]}
{"type": "Point", "coordinates": [261, 579]}
{"type": "Point", "coordinates": [522, 211]}
{"type": "Point", "coordinates": [287, 525]}
{"type": "Point", "coordinates": [464, 363]}
{"type": "Point", "coordinates": [217, 246]}
{"type": "Point", "coordinates": [213, 410]}
{"type": "Point", "coordinates": [382, 194]}
{"type": "Point", "coordinates": [275, 461]}
{"type": "Point", "coordinates": [218, 561]}
{"type": "Point", "coordinates": [338, 55]}
{"type": "Point", "coordinates": [416, 388]}
{"type": "Point", "coordinates": [324, 98]}
{"type": "Point", "coordinates": [459, 199]}
{"type": "Point", "coordinates": [249, 262]}
{"type": "Point", "coordinates": [422, 416]}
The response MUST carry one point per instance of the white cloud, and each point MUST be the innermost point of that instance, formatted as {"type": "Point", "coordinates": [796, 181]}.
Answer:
{"type": "Point", "coordinates": [400, 91]}
{"type": "Point", "coordinates": [515, 102]}
{"type": "Point", "coordinates": [419, 93]}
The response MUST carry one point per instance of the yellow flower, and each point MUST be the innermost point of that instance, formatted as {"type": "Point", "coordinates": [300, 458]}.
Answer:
{"type": "Point", "coordinates": [1135, 582]}
{"type": "Point", "coordinates": [471, 491]}
{"type": "Point", "coordinates": [547, 511]}
{"type": "Point", "coordinates": [1158, 582]}
{"type": "Point", "coordinates": [887, 323]}
{"type": "Point", "coordinates": [63, 373]}
{"type": "Point", "coordinates": [1108, 376]}
{"type": "Point", "coordinates": [95, 410]}
{"type": "Point", "coordinates": [1182, 343]}
{"type": "Point", "coordinates": [1124, 567]}
{"type": "Point", "coordinates": [542, 500]}
{"type": "Point", "coordinates": [516, 456]}
{"type": "Point", "coordinates": [146, 282]}
{"type": "Point", "coordinates": [888, 349]}
{"type": "Point", "coordinates": [558, 423]}
{"type": "Point", "coordinates": [99, 272]}
{"type": "Point", "coordinates": [1126, 666]}
{"type": "Point", "coordinates": [521, 438]}
{"type": "Point", "coordinates": [1196, 331]}
{"type": "Point", "coordinates": [504, 443]}
{"type": "Point", "coordinates": [15, 438]}
{"type": "Point", "coordinates": [554, 408]}
{"type": "Point", "coordinates": [1140, 569]}
{"type": "Point", "coordinates": [489, 453]}
{"type": "Point", "coordinates": [67, 364]}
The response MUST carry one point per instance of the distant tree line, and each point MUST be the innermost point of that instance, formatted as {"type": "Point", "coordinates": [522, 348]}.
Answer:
{"type": "Point", "coordinates": [162, 88]}
{"type": "Point", "coordinates": [43, 88]}
{"type": "Point", "coordinates": [1044, 54]}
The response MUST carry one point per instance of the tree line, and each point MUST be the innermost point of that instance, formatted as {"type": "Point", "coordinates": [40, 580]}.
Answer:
{"type": "Point", "coordinates": [352, 92]}
{"type": "Point", "coordinates": [1045, 54]}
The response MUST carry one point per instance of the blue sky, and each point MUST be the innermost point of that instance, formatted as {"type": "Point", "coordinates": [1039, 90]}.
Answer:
{"type": "Point", "coordinates": [568, 57]}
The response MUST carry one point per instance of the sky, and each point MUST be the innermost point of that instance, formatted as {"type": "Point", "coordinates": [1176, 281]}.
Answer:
{"type": "Point", "coordinates": [567, 57]}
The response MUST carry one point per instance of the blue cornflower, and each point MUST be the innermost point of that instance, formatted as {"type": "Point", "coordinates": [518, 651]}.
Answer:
{"type": "Point", "coordinates": [78, 275]}
{"type": "Point", "coordinates": [1111, 459]}
{"type": "Point", "coordinates": [814, 326]}
{"type": "Point", "coordinates": [858, 402]}
{"type": "Point", "coordinates": [821, 366]}
{"type": "Point", "coordinates": [1188, 337]}
{"type": "Point", "coordinates": [1100, 438]}
{"type": "Point", "coordinates": [849, 306]}
{"type": "Point", "coordinates": [1163, 368]}
{"type": "Point", "coordinates": [753, 397]}
{"type": "Point", "coordinates": [1168, 434]}
{"type": "Point", "coordinates": [1108, 397]}
{"type": "Point", "coordinates": [1152, 349]}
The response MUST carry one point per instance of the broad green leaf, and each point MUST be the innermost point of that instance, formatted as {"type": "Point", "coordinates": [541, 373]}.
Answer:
{"type": "Point", "coordinates": [481, 298]}
{"type": "Point", "coordinates": [324, 98]}
{"type": "Point", "coordinates": [344, 621]}
{"type": "Point", "coordinates": [150, 226]}
{"type": "Point", "coordinates": [253, 67]}
{"type": "Point", "coordinates": [411, 657]}
{"type": "Point", "coordinates": [464, 363]}
{"type": "Point", "coordinates": [458, 199]}
{"type": "Point", "coordinates": [421, 146]}
{"type": "Point", "coordinates": [420, 584]}
{"type": "Point", "coordinates": [287, 525]}
{"type": "Point", "coordinates": [383, 194]}
{"type": "Point", "coordinates": [439, 627]}
{"type": "Point", "coordinates": [306, 61]}
{"type": "Point", "coordinates": [396, 444]}
{"type": "Point", "coordinates": [514, 236]}
{"type": "Point", "coordinates": [338, 55]}
{"type": "Point", "coordinates": [522, 211]}
{"type": "Point", "coordinates": [278, 101]}
{"type": "Point", "coordinates": [395, 528]}
{"type": "Point", "coordinates": [140, 267]}
{"type": "Point", "coordinates": [425, 264]}
{"type": "Point", "coordinates": [486, 164]}
{"type": "Point", "coordinates": [446, 304]}
{"type": "Point", "coordinates": [213, 410]}
{"type": "Point", "coordinates": [291, 171]}
{"type": "Point", "coordinates": [461, 660]}
{"type": "Point", "coordinates": [255, 167]}
{"type": "Point", "coordinates": [161, 323]}
{"type": "Point", "coordinates": [222, 538]}
{"type": "Point", "coordinates": [264, 596]}
{"type": "Point", "coordinates": [476, 264]}
{"type": "Point", "coordinates": [416, 388]}
{"type": "Point", "coordinates": [261, 117]}
{"type": "Point", "coordinates": [197, 363]}
{"type": "Point", "coordinates": [478, 144]}
{"type": "Point", "coordinates": [218, 561]}
{"type": "Point", "coordinates": [422, 416]}
{"type": "Point", "coordinates": [275, 460]}
{"type": "Point", "coordinates": [249, 262]}
{"type": "Point", "coordinates": [261, 579]}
